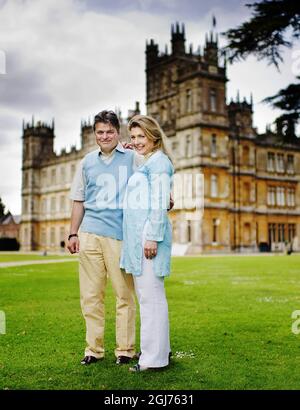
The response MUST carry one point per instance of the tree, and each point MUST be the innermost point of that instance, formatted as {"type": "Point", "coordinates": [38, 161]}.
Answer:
{"type": "Point", "coordinates": [2, 209]}
{"type": "Point", "coordinates": [274, 24]}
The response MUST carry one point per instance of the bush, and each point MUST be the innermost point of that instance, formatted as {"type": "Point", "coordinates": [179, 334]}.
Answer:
{"type": "Point", "coordinates": [264, 247]}
{"type": "Point", "coordinates": [9, 244]}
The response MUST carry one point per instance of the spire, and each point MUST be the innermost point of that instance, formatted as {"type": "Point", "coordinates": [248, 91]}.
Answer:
{"type": "Point", "coordinates": [32, 121]}
{"type": "Point", "coordinates": [251, 99]}
{"type": "Point", "coordinates": [53, 124]}
{"type": "Point", "coordinates": [238, 96]}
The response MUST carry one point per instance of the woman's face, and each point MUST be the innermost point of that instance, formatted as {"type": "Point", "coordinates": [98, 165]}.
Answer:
{"type": "Point", "coordinates": [140, 142]}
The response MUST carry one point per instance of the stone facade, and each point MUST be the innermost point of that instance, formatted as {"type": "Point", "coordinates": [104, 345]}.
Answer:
{"type": "Point", "coordinates": [251, 182]}
{"type": "Point", "coordinates": [251, 190]}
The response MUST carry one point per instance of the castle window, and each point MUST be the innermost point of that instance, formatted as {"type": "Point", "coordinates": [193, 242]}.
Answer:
{"type": "Point", "coordinates": [52, 236]}
{"type": "Point", "coordinates": [213, 147]}
{"type": "Point", "coordinates": [26, 180]}
{"type": "Point", "coordinates": [245, 155]}
{"type": "Point", "coordinates": [73, 170]}
{"type": "Point", "coordinates": [290, 164]}
{"type": "Point", "coordinates": [280, 196]}
{"type": "Point", "coordinates": [43, 237]}
{"type": "Point", "coordinates": [271, 162]}
{"type": "Point", "coordinates": [271, 196]}
{"type": "Point", "coordinates": [44, 206]}
{"type": "Point", "coordinates": [213, 186]}
{"type": "Point", "coordinates": [246, 193]}
{"type": "Point", "coordinates": [291, 232]}
{"type": "Point", "coordinates": [63, 174]}
{"type": "Point", "coordinates": [53, 176]}
{"type": "Point", "coordinates": [291, 197]}
{"type": "Point", "coordinates": [62, 203]}
{"type": "Point", "coordinates": [25, 205]}
{"type": "Point", "coordinates": [189, 102]}
{"type": "Point", "coordinates": [281, 236]}
{"type": "Point", "coordinates": [213, 100]}
{"type": "Point", "coordinates": [26, 236]}
{"type": "Point", "coordinates": [247, 234]}
{"type": "Point", "coordinates": [44, 177]}
{"type": "Point", "coordinates": [272, 233]}
{"type": "Point", "coordinates": [62, 234]}
{"type": "Point", "coordinates": [189, 231]}
{"type": "Point", "coordinates": [53, 204]}
{"type": "Point", "coordinates": [280, 163]}
{"type": "Point", "coordinates": [174, 148]}
{"type": "Point", "coordinates": [188, 147]}
{"type": "Point", "coordinates": [164, 114]}
{"type": "Point", "coordinates": [215, 230]}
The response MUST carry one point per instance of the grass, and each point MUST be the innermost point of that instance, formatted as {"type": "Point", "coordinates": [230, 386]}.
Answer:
{"type": "Point", "coordinates": [230, 323]}
{"type": "Point", "coordinates": [17, 257]}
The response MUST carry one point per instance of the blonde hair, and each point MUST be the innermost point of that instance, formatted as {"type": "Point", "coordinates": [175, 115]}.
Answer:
{"type": "Point", "coordinates": [152, 131]}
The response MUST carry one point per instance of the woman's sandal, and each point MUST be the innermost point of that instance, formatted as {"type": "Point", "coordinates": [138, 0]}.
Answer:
{"type": "Point", "coordinates": [137, 368]}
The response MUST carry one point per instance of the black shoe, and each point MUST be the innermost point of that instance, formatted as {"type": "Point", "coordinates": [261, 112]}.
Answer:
{"type": "Point", "coordinates": [89, 360]}
{"type": "Point", "coordinates": [123, 359]}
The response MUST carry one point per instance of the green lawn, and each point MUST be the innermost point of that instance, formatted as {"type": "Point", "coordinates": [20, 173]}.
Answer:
{"type": "Point", "coordinates": [230, 328]}
{"type": "Point", "coordinates": [17, 257]}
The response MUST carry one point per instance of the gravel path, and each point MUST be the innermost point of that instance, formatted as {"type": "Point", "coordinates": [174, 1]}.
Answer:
{"type": "Point", "coordinates": [35, 262]}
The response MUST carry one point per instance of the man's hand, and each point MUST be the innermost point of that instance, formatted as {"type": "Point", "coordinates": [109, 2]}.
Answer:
{"type": "Point", "coordinates": [73, 245]}
{"type": "Point", "coordinates": [171, 203]}
{"type": "Point", "coordinates": [150, 249]}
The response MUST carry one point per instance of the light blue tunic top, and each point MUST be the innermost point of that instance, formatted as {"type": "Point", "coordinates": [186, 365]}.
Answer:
{"type": "Point", "coordinates": [147, 199]}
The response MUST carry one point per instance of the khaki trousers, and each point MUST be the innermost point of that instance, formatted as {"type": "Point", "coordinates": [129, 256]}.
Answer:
{"type": "Point", "coordinates": [99, 258]}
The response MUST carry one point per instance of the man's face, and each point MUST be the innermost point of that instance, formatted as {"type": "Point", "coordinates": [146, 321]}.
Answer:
{"type": "Point", "coordinates": [107, 137]}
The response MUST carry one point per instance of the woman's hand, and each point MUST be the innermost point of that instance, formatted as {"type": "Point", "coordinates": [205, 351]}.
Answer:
{"type": "Point", "coordinates": [150, 249]}
{"type": "Point", "coordinates": [127, 145]}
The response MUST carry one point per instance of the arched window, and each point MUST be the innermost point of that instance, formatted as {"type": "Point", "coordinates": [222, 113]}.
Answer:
{"type": "Point", "coordinates": [213, 186]}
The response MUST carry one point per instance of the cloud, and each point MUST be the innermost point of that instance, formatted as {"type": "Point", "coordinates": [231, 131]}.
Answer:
{"type": "Point", "coordinates": [193, 10]}
{"type": "Point", "coordinates": [70, 59]}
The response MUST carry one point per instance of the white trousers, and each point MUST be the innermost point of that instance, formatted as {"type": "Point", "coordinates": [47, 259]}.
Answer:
{"type": "Point", "coordinates": [154, 333]}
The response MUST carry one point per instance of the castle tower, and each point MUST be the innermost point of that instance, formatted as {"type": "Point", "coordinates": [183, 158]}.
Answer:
{"type": "Point", "coordinates": [240, 115]}
{"type": "Point", "coordinates": [37, 146]}
{"type": "Point", "coordinates": [178, 39]}
{"type": "Point", "coordinates": [151, 53]}
{"type": "Point", "coordinates": [211, 49]}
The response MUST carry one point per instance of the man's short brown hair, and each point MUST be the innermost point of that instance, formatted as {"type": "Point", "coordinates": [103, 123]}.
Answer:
{"type": "Point", "coordinates": [107, 117]}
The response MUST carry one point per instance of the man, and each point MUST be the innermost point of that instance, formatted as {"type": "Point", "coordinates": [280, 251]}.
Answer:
{"type": "Point", "coordinates": [97, 192]}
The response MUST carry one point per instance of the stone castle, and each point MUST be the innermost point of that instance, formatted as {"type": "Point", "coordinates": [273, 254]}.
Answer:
{"type": "Point", "coordinates": [251, 181]}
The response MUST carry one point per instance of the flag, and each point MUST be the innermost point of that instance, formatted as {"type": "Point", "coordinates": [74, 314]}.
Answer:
{"type": "Point", "coordinates": [214, 21]}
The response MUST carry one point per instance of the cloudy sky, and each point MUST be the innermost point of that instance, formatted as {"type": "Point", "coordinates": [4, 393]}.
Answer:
{"type": "Point", "coordinates": [68, 59]}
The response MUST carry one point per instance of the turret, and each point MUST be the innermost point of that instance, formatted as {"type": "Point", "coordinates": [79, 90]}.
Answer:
{"type": "Point", "coordinates": [178, 39]}
{"type": "Point", "coordinates": [240, 114]}
{"type": "Point", "coordinates": [136, 111]}
{"type": "Point", "coordinates": [151, 53]}
{"type": "Point", "coordinates": [211, 49]}
{"type": "Point", "coordinates": [38, 140]}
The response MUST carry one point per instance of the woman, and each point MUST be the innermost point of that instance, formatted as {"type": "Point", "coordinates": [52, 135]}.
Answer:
{"type": "Point", "coordinates": [147, 239]}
